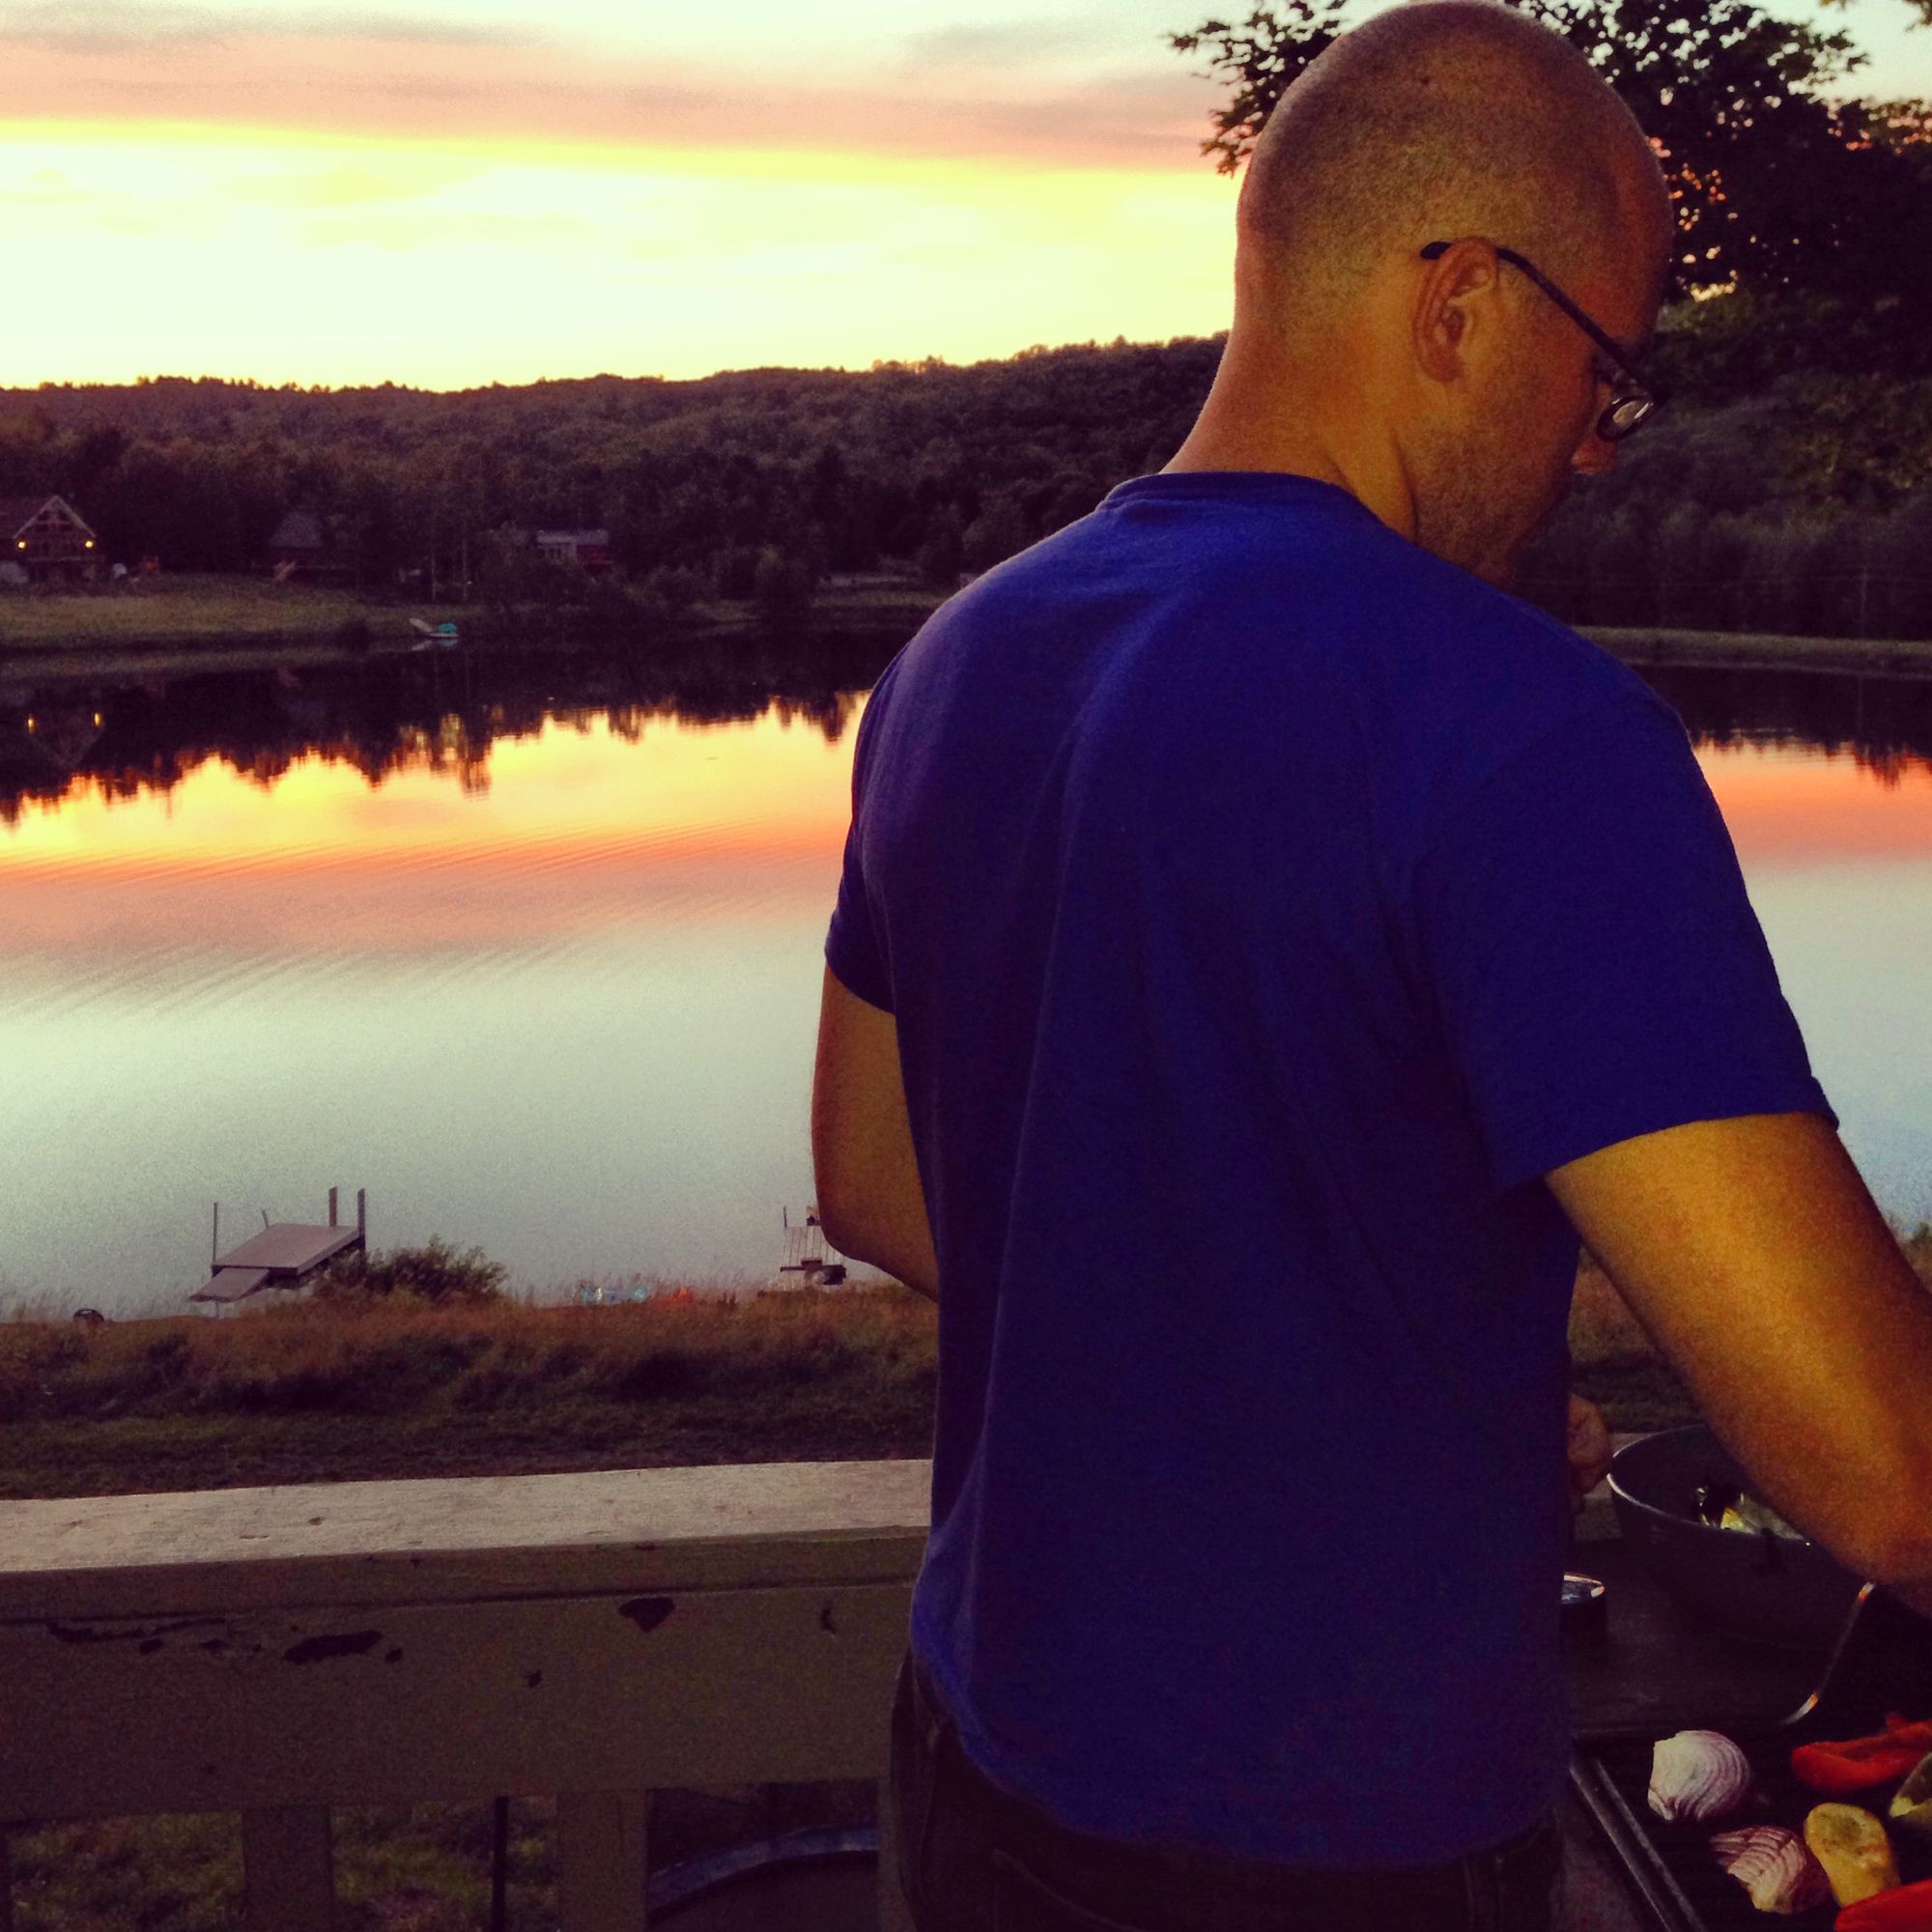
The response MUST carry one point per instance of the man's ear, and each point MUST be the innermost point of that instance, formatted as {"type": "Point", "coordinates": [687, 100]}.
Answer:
{"type": "Point", "coordinates": [1451, 304]}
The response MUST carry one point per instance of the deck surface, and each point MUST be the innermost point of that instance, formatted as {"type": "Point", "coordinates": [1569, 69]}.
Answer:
{"type": "Point", "coordinates": [289, 1244]}
{"type": "Point", "coordinates": [230, 1284]}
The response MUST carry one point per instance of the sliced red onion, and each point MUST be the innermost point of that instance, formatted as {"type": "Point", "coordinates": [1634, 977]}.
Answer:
{"type": "Point", "coordinates": [1774, 1866]}
{"type": "Point", "coordinates": [1698, 1776]}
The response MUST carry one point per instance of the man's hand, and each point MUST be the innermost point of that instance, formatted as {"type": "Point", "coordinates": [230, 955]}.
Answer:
{"type": "Point", "coordinates": [1588, 1452]}
{"type": "Point", "coordinates": [1756, 1260]}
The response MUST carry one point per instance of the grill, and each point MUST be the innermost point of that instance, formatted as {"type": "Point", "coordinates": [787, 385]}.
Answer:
{"type": "Point", "coordinates": [1882, 1661]}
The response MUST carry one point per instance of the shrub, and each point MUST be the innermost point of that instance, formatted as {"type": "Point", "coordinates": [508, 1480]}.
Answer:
{"type": "Point", "coordinates": [434, 1272]}
{"type": "Point", "coordinates": [665, 1371]}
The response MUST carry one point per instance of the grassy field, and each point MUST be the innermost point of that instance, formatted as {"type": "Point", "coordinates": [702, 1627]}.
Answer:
{"type": "Point", "coordinates": [335, 1390]}
{"type": "Point", "coordinates": [229, 613]}
{"type": "Point", "coordinates": [390, 1385]}
{"type": "Point", "coordinates": [222, 610]}
{"type": "Point", "coordinates": [176, 625]}
{"type": "Point", "coordinates": [1749, 650]}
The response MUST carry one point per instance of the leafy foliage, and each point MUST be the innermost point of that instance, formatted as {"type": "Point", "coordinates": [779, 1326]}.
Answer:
{"type": "Point", "coordinates": [833, 471]}
{"type": "Point", "coordinates": [1778, 184]}
{"type": "Point", "coordinates": [434, 1272]}
{"type": "Point", "coordinates": [1790, 416]}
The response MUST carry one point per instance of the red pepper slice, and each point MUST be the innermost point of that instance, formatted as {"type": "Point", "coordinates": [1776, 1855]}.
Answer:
{"type": "Point", "coordinates": [1856, 1763]}
{"type": "Point", "coordinates": [1905, 1908]}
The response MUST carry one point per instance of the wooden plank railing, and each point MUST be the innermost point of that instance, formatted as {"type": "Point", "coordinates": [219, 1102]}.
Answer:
{"type": "Point", "coordinates": [277, 1652]}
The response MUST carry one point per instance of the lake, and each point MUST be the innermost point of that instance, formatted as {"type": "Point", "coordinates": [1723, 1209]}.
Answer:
{"type": "Point", "coordinates": [530, 949]}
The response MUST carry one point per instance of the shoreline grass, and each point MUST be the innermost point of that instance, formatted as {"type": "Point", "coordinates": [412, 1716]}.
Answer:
{"type": "Point", "coordinates": [388, 1386]}
{"type": "Point", "coordinates": [1746, 650]}
{"type": "Point", "coordinates": [391, 1387]}
{"type": "Point", "coordinates": [210, 622]}
{"type": "Point", "coordinates": [200, 607]}
{"type": "Point", "coordinates": [230, 621]}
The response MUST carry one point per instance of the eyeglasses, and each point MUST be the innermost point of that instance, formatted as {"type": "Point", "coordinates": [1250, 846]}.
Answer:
{"type": "Point", "coordinates": [1633, 397]}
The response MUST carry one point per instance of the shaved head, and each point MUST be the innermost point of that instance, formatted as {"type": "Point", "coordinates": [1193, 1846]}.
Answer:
{"type": "Point", "coordinates": [1451, 393]}
{"type": "Point", "coordinates": [1438, 119]}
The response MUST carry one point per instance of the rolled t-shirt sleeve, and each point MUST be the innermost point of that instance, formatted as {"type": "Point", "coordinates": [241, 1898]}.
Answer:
{"type": "Point", "coordinates": [852, 945]}
{"type": "Point", "coordinates": [1599, 970]}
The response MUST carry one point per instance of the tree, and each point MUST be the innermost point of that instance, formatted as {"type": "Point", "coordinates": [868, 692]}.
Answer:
{"type": "Point", "coordinates": [940, 555]}
{"type": "Point", "coordinates": [1778, 186]}
{"type": "Point", "coordinates": [781, 587]}
{"type": "Point", "coordinates": [994, 534]}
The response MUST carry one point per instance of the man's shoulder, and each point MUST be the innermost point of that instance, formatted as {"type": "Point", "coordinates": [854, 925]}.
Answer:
{"type": "Point", "coordinates": [1486, 662]}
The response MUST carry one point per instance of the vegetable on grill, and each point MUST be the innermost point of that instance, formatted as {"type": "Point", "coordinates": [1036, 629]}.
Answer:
{"type": "Point", "coordinates": [1698, 1776]}
{"type": "Point", "coordinates": [1912, 1804]}
{"type": "Point", "coordinates": [1906, 1908]}
{"type": "Point", "coordinates": [1856, 1763]}
{"type": "Point", "coordinates": [1852, 1846]}
{"type": "Point", "coordinates": [1774, 1866]}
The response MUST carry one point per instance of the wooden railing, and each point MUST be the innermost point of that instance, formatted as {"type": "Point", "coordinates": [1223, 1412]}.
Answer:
{"type": "Point", "coordinates": [279, 1651]}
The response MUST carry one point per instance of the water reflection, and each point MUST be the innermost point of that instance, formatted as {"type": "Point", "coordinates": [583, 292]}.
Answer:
{"type": "Point", "coordinates": [406, 713]}
{"type": "Point", "coordinates": [530, 948]}
{"type": "Point", "coordinates": [1884, 723]}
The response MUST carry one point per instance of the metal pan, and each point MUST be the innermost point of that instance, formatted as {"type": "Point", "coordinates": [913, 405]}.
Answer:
{"type": "Point", "coordinates": [1755, 1585]}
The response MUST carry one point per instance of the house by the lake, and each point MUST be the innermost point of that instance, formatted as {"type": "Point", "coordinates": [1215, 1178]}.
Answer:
{"type": "Point", "coordinates": [48, 539]}
{"type": "Point", "coordinates": [587, 550]}
{"type": "Point", "coordinates": [301, 543]}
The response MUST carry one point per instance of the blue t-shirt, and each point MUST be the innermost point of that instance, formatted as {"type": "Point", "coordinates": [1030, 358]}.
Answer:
{"type": "Point", "coordinates": [1265, 905]}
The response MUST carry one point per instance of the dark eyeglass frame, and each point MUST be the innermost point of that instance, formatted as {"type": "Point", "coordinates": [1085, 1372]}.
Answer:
{"type": "Point", "coordinates": [1638, 398]}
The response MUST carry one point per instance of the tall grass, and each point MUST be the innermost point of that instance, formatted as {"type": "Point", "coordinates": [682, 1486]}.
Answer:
{"type": "Point", "coordinates": [380, 1356]}
{"type": "Point", "coordinates": [390, 1383]}
{"type": "Point", "coordinates": [388, 1386]}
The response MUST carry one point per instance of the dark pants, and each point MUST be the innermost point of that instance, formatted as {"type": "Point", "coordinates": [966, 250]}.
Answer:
{"type": "Point", "coordinates": [975, 1858]}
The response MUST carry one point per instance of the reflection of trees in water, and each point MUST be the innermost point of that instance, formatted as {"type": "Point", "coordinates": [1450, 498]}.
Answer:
{"type": "Point", "coordinates": [408, 714]}
{"type": "Point", "coordinates": [1884, 723]}
{"type": "Point", "coordinates": [443, 714]}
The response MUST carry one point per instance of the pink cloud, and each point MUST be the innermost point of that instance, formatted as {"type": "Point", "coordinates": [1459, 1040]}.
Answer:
{"type": "Point", "coordinates": [341, 79]}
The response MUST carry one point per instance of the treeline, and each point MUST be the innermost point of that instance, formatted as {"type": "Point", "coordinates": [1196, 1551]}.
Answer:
{"type": "Point", "coordinates": [1696, 529]}
{"type": "Point", "coordinates": [1761, 498]}
{"type": "Point", "coordinates": [928, 465]}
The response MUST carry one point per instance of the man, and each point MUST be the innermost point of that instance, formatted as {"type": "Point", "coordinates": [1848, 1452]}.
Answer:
{"type": "Point", "coordinates": [1265, 947]}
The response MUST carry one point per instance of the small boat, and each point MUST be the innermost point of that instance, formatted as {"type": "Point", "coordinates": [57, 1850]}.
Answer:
{"type": "Point", "coordinates": [430, 635]}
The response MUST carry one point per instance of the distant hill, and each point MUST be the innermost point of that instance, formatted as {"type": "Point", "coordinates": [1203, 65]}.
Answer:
{"type": "Point", "coordinates": [1766, 511]}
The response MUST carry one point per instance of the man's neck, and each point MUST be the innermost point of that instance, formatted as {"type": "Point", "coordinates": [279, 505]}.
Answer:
{"type": "Point", "coordinates": [1246, 424]}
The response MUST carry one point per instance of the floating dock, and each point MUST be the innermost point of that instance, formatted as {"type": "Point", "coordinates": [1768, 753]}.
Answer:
{"type": "Point", "coordinates": [805, 1254]}
{"type": "Point", "coordinates": [282, 1256]}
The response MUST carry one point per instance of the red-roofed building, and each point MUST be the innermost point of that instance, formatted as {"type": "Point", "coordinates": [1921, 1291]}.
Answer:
{"type": "Point", "coordinates": [49, 539]}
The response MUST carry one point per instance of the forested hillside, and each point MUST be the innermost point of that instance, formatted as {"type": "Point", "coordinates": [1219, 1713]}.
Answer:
{"type": "Point", "coordinates": [1765, 497]}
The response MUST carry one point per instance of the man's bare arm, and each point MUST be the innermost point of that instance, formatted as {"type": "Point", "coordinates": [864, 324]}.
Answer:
{"type": "Point", "coordinates": [870, 1199]}
{"type": "Point", "coordinates": [1753, 1254]}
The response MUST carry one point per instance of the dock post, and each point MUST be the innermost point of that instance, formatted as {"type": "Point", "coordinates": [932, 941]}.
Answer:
{"type": "Point", "coordinates": [331, 1207]}
{"type": "Point", "coordinates": [214, 1238]}
{"type": "Point", "coordinates": [362, 1214]}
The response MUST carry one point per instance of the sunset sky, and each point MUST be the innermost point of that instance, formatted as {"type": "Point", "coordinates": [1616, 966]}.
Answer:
{"type": "Point", "coordinates": [450, 192]}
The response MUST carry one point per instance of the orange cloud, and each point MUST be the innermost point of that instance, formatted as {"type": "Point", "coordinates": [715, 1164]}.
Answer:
{"type": "Point", "coordinates": [339, 79]}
